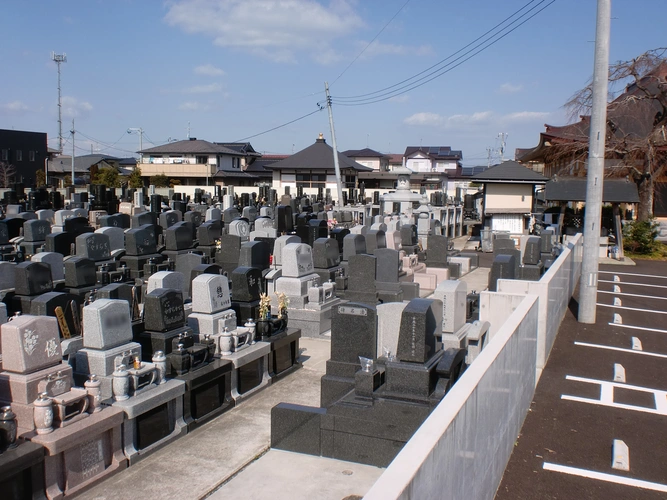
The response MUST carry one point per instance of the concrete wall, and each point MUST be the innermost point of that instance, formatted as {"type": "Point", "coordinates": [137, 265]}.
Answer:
{"type": "Point", "coordinates": [462, 449]}
{"type": "Point", "coordinates": [554, 291]}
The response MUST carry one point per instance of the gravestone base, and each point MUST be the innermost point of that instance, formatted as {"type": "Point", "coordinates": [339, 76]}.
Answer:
{"type": "Point", "coordinates": [389, 292]}
{"type": "Point", "coordinates": [370, 298]}
{"type": "Point", "coordinates": [207, 392]}
{"type": "Point", "coordinates": [207, 251]}
{"type": "Point", "coordinates": [212, 324]}
{"type": "Point", "coordinates": [159, 341]}
{"type": "Point", "coordinates": [245, 311]}
{"type": "Point", "coordinates": [411, 381]}
{"type": "Point", "coordinates": [250, 372]}
{"type": "Point", "coordinates": [410, 290]}
{"type": "Point", "coordinates": [31, 247]}
{"type": "Point", "coordinates": [329, 274]}
{"type": "Point", "coordinates": [136, 263]}
{"type": "Point", "coordinates": [338, 381]}
{"type": "Point", "coordinates": [82, 454]}
{"type": "Point", "coordinates": [81, 294]}
{"type": "Point", "coordinates": [22, 471]}
{"type": "Point", "coordinates": [531, 272]}
{"type": "Point", "coordinates": [474, 259]}
{"type": "Point", "coordinates": [456, 340]}
{"type": "Point", "coordinates": [312, 322]}
{"type": "Point", "coordinates": [24, 388]}
{"type": "Point", "coordinates": [152, 419]}
{"type": "Point", "coordinates": [270, 279]}
{"type": "Point", "coordinates": [284, 355]}
{"type": "Point", "coordinates": [172, 254]}
{"type": "Point", "coordinates": [101, 362]}
{"type": "Point", "coordinates": [463, 261]}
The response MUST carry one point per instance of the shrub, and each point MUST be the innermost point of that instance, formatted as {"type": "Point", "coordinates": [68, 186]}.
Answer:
{"type": "Point", "coordinates": [160, 180]}
{"type": "Point", "coordinates": [639, 236]}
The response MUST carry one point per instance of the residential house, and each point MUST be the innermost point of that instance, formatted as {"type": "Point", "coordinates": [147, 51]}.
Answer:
{"type": "Point", "coordinates": [85, 167]}
{"type": "Point", "coordinates": [26, 151]}
{"type": "Point", "coordinates": [509, 196]}
{"type": "Point", "coordinates": [369, 158]}
{"type": "Point", "coordinates": [313, 169]}
{"type": "Point", "coordinates": [193, 162]}
{"type": "Point", "coordinates": [433, 159]}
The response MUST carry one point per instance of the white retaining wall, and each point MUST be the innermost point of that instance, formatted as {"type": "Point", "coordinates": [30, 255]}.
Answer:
{"type": "Point", "coordinates": [462, 449]}
{"type": "Point", "coordinates": [554, 290]}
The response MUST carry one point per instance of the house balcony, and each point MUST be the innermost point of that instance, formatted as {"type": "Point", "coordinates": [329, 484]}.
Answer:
{"type": "Point", "coordinates": [178, 169]}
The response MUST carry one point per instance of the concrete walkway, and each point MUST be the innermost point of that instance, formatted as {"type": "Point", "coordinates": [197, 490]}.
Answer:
{"type": "Point", "coordinates": [205, 460]}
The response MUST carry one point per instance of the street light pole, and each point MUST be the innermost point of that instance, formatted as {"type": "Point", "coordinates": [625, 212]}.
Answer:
{"type": "Point", "coordinates": [139, 131]}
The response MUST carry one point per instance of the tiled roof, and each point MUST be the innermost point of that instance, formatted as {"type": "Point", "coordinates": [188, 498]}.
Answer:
{"type": "Point", "coordinates": [243, 148]}
{"type": "Point", "coordinates": [435, 152]}
{"type": "Point", "coordinates": [318, 156]}
{"type": "Point", "coordinates": [363, 153]}
{"type": "Point", "coordinates": [82, 164]}
{"type": "Point", "coordinates": [192, 146]}
{"type": "Point", "coordinates": [395, 158]}
{"type": "Point", "coordinates": [574, 189]}
{"type": "Point", "coordinates": [235, 174]}
{"type": "Point", "coordinates": [509, 171]}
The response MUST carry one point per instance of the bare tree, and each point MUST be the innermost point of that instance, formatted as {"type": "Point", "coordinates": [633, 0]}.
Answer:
{"type": "Point", "coordinates": [7, 173]}
{"type": "Point", "coordinates": [636, 120]}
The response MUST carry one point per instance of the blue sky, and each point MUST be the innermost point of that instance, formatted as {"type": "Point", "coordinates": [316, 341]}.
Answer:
{"type": "Point", "coordinates": [235, 68]}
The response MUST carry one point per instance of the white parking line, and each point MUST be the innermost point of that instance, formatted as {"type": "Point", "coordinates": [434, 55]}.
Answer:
{"type": "Point", "coordinates": [607, 396]}
{"type": "Point", "coordinates": [634, 295]}
{"type": "Point", "coordinates": [632, 274]}
{"type": "Point", "coordinates": [601, 476]}
{"type": "Point", "coordinates": [633, 284]}
{"type": "Point", "coordinates": [632, 308]}
{"type": "Point", "coordinates": [622, 349]}
{"type": "Point", "coordinates": [638, 328]}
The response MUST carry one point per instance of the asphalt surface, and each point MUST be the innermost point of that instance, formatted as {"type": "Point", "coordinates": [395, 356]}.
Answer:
{"type": "Point", "coordinates": [577, 434]}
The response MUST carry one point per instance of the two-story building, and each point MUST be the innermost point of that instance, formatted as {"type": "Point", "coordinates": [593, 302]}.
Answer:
{"type": "Point", "coordinates": [433, 159]}
{"type": "Point", "coordinates": [193, 162]}
{"type": "Point", "coordinates": [369, 158]}
{"type": "Point", "coordinates": [25, 151]}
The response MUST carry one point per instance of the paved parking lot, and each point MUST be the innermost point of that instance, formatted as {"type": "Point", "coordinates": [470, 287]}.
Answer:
{"type": "Point", "coordinates": [604, 387]}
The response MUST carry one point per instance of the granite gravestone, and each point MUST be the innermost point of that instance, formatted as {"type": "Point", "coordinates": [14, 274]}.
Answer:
{"type": "Point", "coordinates": [416, 338]}
{"type": "Point", "coordinates": [54, 261]}
{"type": "Point", "coordinates": [228, 255]}
{"type": "Point", "coordinates": [325, 253]}
{"type": "Point", "coordinates": [32, 278]}
{"type": "Point", "coordinates": [254, 254]}
{"type": "Point", "coordinates": [353, 244]}
{"type": "Point", "coordinates": [279, 245]}
{"type": "Point", "coordinates": [163, 310]}
{"type": "Point", "coordinates": [80, 272]}
{"type": "Point", "coordinates": [209, 232]}
{"type": "Point", "coordinates": [179, 236]}
{"type": "Point", "coordinates": [361, 281]}
{"type": "Point", "coordinates": [531, 253]}
{"type": "Point", "coordinates": [93, 246]}
{"type": "Point", "coordinates": [438, 248]}
{"type": "Point", "coordinates": [503, 267]}
{"type": "Point", "coordinates": [107, 324]}
{"type": "Point", "coordinates": [375, 238]}
{"type": "Point", "coordinates": [246, 284]}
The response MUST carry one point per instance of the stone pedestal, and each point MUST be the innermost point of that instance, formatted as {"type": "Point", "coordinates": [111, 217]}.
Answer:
{"type": "Point", "coordinates": [284, 355]}
{"type": "Point", "coordinates": [82, 454]}
{"type": "Point", "coordinates": [22, 472]}
{"type": "Point", "coordinates": [207, 392]}
{"type": "Point", "coordinates": [250, 371]}
{"type": "Point", "coordinates": [152, 419]}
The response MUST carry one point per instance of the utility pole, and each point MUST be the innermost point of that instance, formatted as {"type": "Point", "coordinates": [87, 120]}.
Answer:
{"type": "Point", "coordinates": [72, 131]}
{"type": "Point", "coordinates": [58, 59]}
{"type": "Point", "coordinates": [588, 285]}
{"type": "Point", "coordinates": [339, 186]}
{"type": "Point", "coordinates": [488, 157]}
{"type": "Point", "coordinates": [139, 131]}
{"type": "Point", "coordinates": [503, 141]}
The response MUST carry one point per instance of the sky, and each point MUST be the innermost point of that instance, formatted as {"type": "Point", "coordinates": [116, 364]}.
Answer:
{"type": "Point", "coordinates": [228, 70]}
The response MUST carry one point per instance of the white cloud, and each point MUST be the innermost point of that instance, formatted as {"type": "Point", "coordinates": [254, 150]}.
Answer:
{"type": "Point", "coordinates": [15, 107]}
{"type": "Point", "coordinates": [508, 88]}
{"type": "Point", "coordinates": [526, 116]}
{"type": "Point", "coordinates": [204, 89]}
{"type": "Point", "coordinates": [74, 108]}
{"type": "Point", "coordinates": [193, 106]}
{"type": "Point", "coordinates": [473, 119]}
{"type": "Point", "coordinates": [425, 118]}
{"type": "Point", "coordinates": [208, 70]}
{"type": "Point", "coordinates": [275, 29]}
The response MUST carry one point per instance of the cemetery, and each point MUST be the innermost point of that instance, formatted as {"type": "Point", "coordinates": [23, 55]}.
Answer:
{"type": "Point", "coordinates": [131, 318]}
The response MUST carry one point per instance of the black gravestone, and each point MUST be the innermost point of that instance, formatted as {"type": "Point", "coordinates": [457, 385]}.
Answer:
{"type": "Point", "coordinates": [437, 248]}
{"type": "Point", "coordinates": [143, 219]}
{"type": "Point", "coordinates": [339, 234]}
{"type": "Point", "coordinates": [387, 265]}
{"type": "Point", "coordinates": [141, 240]}
{"type": "Point", "coordinates": [193, 217]}
{"type": "Point", "coordinates": [208, 232]}
{"type": "Point", "coordinates": [255, 254]}
{"type": "Point", "coordinates": [416, 337]}
{"type": "Point", "coordinates": [32, 278]}
{"type": "Point", "coordinates": [317, 229]}
{"type": "Point", "coordinates": [284, 220]}
{"type": "Point", "coordinates": [36, 230]}
{"type": "Point", "coordinates": [77, 225]}
{"type": "Point", "coordinates": [375, 238]}
{"type": "Point", "coordinates": [503, 267]}
{"type": "Point", "coordinates": [4, 233]}
{"type": "Point", "coordinates": [163, 310]}
{"type": "Point", "coordinates": [325, 253]}
{"type": "Point", "coordinates": [115, 220]}
{"type": "Point", "coordinates": [80, 272]}
{"type": "Point", "coordinates": [230, 214]}
{"type": "Point", "coordinates": [246, 284]}
{"type": "Point", "coordinates": [60, 243]}
{"type": "Point", "coordinates": [531, 253]}
{"type": "Point", "coordinates": [179, 236]}
{"type": "Point", "coordinates": [94, 246]}
{"type": "Point", "coordinates": [228, 255]}
{"type": "Point", "coordinates": [168, 219]}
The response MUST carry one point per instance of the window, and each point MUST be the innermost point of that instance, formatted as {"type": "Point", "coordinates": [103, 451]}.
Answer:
{"type": "Point", "coordinates": [202, 159]}
{"type": "Point", "coordinates": [31, 156]}
{"type": "Point", "coordinates": [19, 155]}
{"type": "Point", "coordinates": [311, 180]}
{"type": "Point", "coordinates": [5, 155]}
{"type": "Point", "coordinates": [236, 162]}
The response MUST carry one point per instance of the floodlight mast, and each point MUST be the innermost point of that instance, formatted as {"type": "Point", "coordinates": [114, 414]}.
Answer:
{"type": "Point", "coordinates": [58, 59]}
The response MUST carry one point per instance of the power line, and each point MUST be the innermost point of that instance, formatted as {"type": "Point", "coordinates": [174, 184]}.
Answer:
{"type": "Point", "coordinates": [369, 43]}
{"type": "Point", "coordinates": [281, 126]}
{"type": "Point", "coordinates": [381, 95]}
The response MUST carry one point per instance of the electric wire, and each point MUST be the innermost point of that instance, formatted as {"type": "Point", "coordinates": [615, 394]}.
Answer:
{"type": "Point", "coordinates": [281, 126]}
{"type": "Point", "coordinates": [381, 95]}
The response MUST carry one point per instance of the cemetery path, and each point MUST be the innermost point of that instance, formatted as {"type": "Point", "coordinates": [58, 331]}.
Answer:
{"type": "Point", "coordinates": [602, 383]}
{"type": "Point", "coordinates": [204, 460]}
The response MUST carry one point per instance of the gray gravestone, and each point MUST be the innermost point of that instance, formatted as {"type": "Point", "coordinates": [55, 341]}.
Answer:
{"type": "Point", "coordinates": [106, 324]}
{"type": "Point", "coordinates": [416, 338]}
{"type": "Point", "coordinates": [210, 294]}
